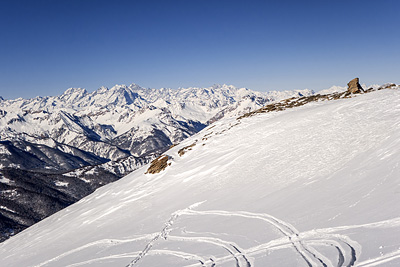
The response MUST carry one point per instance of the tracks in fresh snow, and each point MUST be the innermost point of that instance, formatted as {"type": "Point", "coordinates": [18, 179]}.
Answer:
{"type": "Point", "coordinates": [233, 249]}
{"type": "Point", "coordinates": [285, 228]}
{"type": "Point", "coordinates": [311, 256]}
{"type": "Point", "coordinates": [305, 244]}
{"type": "Point", "coordinates": [380, 260]}
{"type": "Point", "coordinates": [302, 243]}
{"type": "Point", "coordinates": [162, 234]}
{"type": "Point", "coordinates": [102, 243]}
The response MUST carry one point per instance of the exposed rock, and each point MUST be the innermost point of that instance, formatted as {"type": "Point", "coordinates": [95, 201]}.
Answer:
{"type": "Point", "coordinates": [354, 86]}
{"type": "Point", "coordinates": [300, 101]}
{"type": "Point", "coordinates": [183, 150]}
{"type": "Point", "coordinates": [387, 86]}
{"type": "Point", "coordinates": [296, 102]}
{"type": "Point", "coordinates": [159, 164]}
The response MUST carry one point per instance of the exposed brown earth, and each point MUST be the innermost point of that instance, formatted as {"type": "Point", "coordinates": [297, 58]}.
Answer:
{"type": "Point", "coordinates": [297, 102]}
{"type": "Point", "coordinates": [159, 164]}
{"type": "Point", "coordinates": [183, 150]}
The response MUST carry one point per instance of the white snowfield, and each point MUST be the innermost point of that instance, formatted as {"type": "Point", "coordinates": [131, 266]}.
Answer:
{"type": "Point", "coordinates": [317, 185]}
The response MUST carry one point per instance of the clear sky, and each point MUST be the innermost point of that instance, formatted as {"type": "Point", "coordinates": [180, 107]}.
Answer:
{"type": "Point", "coordinates": [49, 46]}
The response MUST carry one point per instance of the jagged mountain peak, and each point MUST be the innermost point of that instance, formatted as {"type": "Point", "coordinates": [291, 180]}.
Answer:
{"type": "Point", "coordinates": [73, 95]}
{"type": "Point", "coordinates": [101, 90]}
{"type": "Point", "coordinates": [73, 90]}
{"type": "Point", "coordinates": [120, 95]}
{"type": "Point", "coordinates": [134, 85]}
{"type": "Point", "coordinates": [119, 87]}
{"type": "Point", "coordinates": [221, 86]}
{"type": "Point", "coordinates": [213, 88]}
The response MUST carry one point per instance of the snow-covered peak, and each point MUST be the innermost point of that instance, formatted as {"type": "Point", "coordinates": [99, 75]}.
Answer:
{"type": "Point", "coordinates": [102, 90]}
{"type": "Point", "coordinates": [73, 95]}
{"type": "Point", "coordinates": [134, 86]}
{"type": "Point", "coordinates": [118, 87]}
{"type": "Point", "coordinates": [332, 89]}
{"type": "Point", "coordinates": [116, 106]}
{"type": "Point", "coordinates": [135, 96]}
{"type": "Point", "coordinates": [279, 95]}
{"type": "Point", "coordinates": [71, 91]}
{"type": "Point", "coordinates": [223, 86]}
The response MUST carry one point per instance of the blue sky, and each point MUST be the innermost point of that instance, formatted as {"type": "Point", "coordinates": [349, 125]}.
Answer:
{"type": "Point", "coordinates": [49, 46]}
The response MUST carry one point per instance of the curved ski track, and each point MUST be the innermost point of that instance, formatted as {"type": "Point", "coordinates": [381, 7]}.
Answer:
{"type": "Point", "coordinates": [311, 256]}
{"type": "Point", "coordinates": [303, 243]}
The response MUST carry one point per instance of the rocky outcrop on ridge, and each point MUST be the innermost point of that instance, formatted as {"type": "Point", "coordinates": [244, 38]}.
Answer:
{"type": "Point", "coordinates": [354, 86]}
{"type": "Point", "coordinates": [300, 101]}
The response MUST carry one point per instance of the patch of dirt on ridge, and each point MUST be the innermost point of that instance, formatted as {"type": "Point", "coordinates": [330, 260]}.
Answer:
{"type": "Point", "coordinates": [183, 150]}
{"type": "Point", "coordinates": [159, 164]}
{"type": "Point", "coordinates": [297, 102]}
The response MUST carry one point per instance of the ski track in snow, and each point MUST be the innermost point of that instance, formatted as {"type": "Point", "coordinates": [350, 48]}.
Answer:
{"type": "Point", "coordinates": [103, 242]}
{"type": "Point", "coordinates": [233, 249]}
{"type": "Point", "coordinates": [303, 243]}
{"type": "Point", "coordinates": [381, 259]}
{"type": "Point", "coordinates": [163, 234]}
{"type": "Point", "coordinates": [311, 256]}
{"type": "Point", "coordinates": [116, 256]}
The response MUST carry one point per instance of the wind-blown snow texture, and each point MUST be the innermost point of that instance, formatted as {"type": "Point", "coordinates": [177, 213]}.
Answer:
{"type": "Point", "coordinates": [316, 185]}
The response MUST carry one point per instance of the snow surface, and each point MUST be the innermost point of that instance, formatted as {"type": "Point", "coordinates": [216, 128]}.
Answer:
{"type": "Point", "coordinates": [5, 180]}
{"type": "Point", "coordinates": [4, 150]}
{"type": "Point", "coordinates": [316, 185]}
{"type": "Point", "coordinates": [7, 209]}
{"type": "Point", "coordinates": [60, 183]}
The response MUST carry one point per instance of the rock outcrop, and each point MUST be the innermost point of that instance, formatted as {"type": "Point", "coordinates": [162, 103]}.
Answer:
{"type": "Point", "coordinates": [300, 101]}
{"type": "Point", "coordinates": [159, 164]}
{"type": "Point", "coordinates": [354, 86]}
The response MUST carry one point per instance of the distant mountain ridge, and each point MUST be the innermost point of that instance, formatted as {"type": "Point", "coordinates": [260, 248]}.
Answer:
{"type": "Point", "coordinates": [125, 120]}
{"type": "Point", "coordinates": [71, 144]}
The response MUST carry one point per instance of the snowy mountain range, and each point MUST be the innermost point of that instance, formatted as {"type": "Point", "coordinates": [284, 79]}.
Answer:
{"type": "Point", "coordinates": [309, 181]}
{"type": "Point", "coordinates": [69, 145]}
{"type": "Point", "coordinates": [111, 124]}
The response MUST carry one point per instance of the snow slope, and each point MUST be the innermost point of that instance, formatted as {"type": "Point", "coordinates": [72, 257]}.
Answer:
{"type": "Point", "coordinates": [316, 185]}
